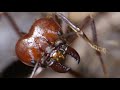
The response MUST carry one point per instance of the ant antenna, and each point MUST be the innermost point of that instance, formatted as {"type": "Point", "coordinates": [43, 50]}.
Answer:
{"type": "Point", "coordinates": [34, 70]}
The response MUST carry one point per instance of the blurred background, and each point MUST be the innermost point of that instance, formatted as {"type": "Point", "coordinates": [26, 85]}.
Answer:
{"type": "Point", "coordinates": [108, 34]}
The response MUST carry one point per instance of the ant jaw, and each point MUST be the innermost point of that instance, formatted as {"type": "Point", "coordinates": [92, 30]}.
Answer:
{"type": "Point", "coordinates": [58, 67]}
{"type": "Point", "coordinates": [65, 49]}
{"type": "Point", "coordinates": [72, 52]}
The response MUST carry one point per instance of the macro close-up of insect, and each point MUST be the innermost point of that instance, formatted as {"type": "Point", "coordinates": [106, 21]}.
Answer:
{"type": "Point", "coordinates": [50, 43]}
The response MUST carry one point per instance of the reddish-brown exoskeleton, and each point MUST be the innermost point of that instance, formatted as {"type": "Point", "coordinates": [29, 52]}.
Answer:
{"type": "Point", "coordinates": [45, 44]}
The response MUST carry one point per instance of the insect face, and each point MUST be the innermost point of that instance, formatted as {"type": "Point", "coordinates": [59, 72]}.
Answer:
{"type": "Point", "coordinates": [43, 45]}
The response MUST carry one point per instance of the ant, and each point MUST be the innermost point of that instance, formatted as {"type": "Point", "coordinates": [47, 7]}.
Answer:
{"type": "Point", "coordinates": [46, 46]}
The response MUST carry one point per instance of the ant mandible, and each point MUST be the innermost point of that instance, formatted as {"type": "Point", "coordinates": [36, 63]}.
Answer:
{"type": "Point", "coordinates": [45, 45]}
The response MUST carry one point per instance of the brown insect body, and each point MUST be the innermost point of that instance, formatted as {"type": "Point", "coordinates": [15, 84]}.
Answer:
{"type": "Point", "coordinates": [34, 43]}
{"type": "Point", "coordinates": [43, 34]}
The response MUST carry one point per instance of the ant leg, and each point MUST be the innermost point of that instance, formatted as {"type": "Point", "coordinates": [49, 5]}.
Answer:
{"type": "Point", "coordinates": [86, 21]}
{"type": "Point", "coordinates": [13, 23]}
{"type": "Point", "coordinates": [55, 17]}
{"type": "Point", "coordinates": [58, 20]}
{"type": "Point", "coordinates": [93, 26]}
{"type": "Point", "coordinates": [73, 34]}
{"type": "Point", "coordinates": [79, 33]}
